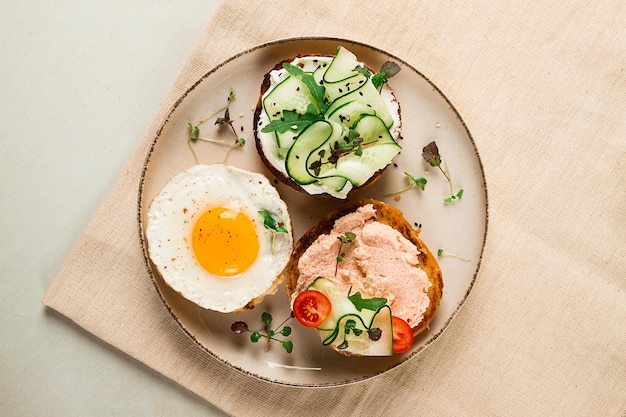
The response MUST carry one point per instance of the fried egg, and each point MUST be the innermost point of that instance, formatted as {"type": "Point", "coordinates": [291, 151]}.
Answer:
{"type": "Point", "coordinates": [207, 238]}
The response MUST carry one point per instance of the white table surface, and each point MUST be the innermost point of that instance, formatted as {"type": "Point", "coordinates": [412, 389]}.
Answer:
{"type": "Point", "coordinates": [79, 84]}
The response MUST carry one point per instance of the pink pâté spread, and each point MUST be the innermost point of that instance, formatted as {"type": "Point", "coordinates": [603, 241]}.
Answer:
{"type": "Point", "coordinates": [378, 262]}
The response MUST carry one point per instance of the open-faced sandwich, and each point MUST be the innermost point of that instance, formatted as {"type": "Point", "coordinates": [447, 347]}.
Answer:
{"type": "Point", "coordinates": [220, 236]}
{"type": "Point", "coordinates": [363, 278]}
{"type": "Point", "coordinates": [327, 125]}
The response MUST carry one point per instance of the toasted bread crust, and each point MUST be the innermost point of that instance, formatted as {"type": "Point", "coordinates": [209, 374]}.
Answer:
{"type": "Point", "coordinates": [281, 176]}
{"type": "Point", "coordinates": [390, 216]}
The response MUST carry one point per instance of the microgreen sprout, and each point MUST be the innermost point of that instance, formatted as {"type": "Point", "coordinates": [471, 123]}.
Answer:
{"type": "Point", "coordinates": [350, 326]}
{"type": "Point", "coordinates": [346, 238]}
{"type": "Point", "coordinates": [194, 131]}
{"type": "Point", "coordinates": [431, 154]}
{"type": "Point", "coordinates": [413, 182]}
{"type": "Point", "coordinates": [271, 224]}
{"type": "Point", "coordinates": [387, 70]}
{"type": "Point", "coordinates": [352, 143]}
{"type": "Point", "coordinates": [441, 252]}
{"type": "Point", "coordinates": [240, 327]}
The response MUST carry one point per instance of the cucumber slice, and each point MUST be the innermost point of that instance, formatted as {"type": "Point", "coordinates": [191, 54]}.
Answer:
{"type": "Point", "coordinates": [349, 113]}
{"type": "Point", "coordinates": [333, 183]}
{"type": "Point", "coordinates": [383, 346]}
{"type": "Point", "coordinates": [289, 94]}
{"type": "Point", "coordinates": [341, 334]}
{"type": "Point", "coordinates": [370, 96]}
{"type": "Point", "coordinates": [355, 337]}
{"type": "Point", "coordinates": [379, 148]}
{"type": "Point", "coordinates": [340, 78]}
{"type": "Point", "coordinates": [333, 329]}
{"type": "Point", "coordinates": [341, 67]}
{"type": "Point", "coordinates": [310, 138]}
{"type": "Point", "coordinates": [341, 303]}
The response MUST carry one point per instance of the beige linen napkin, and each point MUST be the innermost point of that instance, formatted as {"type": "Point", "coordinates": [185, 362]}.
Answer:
{"type": "Point", "coordinates": [542, 87]}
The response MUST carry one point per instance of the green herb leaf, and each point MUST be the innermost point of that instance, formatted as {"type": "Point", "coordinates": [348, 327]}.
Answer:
{"type": "Point", "coordinates": [287, 345]}
{"type": "Point", "coordinates": [414, 182]}
{"type": "Point", "coordinates": [286, 331]}
{"type": "Point", "coordinates": [362, 70]}
{"type": "Point", "coordinates": [347, 237]}
{"type": "Point", "coordinates": [369, 303]}
{"type": "Point", "coordinates": [281, 229]}
{"type": "Point", "coordinates": [292, 120]}
{"type": "Point", "coordinates": [388, 70]}
{"type": "Point", "coordinates": [266, 318]}
{"type": "Point", "coordinates": [418, 182]}
{"type": "Point", "coordinates": [351, 326]}
{"type": "Point", "coordinates": [317, 91]}
{"type": "Point", "coordinates": [194, 132]}
{"type": "Point", "coordinates": [270, 223]}
{"type": "Point", "coordinates": [255, 337]}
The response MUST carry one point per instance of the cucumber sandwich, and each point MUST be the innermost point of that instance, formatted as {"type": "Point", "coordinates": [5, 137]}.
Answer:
{"type": "Point", "coordinates": [327, 125]}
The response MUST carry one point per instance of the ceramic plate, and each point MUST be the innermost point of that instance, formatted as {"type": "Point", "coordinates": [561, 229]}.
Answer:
{"type": "Point", "coordinates": [458, 227]}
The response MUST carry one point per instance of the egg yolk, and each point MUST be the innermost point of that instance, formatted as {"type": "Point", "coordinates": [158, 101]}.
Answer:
{"type": "Point", "coordinates": [225, 241]}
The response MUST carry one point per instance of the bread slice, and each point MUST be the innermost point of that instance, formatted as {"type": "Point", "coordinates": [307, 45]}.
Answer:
{"type": "Point", "coordinates": [390, 216]}
{"type": "Point", "coordinates": [271, 163]}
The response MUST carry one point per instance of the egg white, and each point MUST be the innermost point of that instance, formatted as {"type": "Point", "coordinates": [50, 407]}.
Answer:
{"type": "Point", "coordinates": [171, 219]}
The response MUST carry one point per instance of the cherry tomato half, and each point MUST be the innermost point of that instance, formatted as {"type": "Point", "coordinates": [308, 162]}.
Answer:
{"type": "Point", "coordinates": [311, 308]}
{"type": "Point", "coordinates": [402, 335]}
